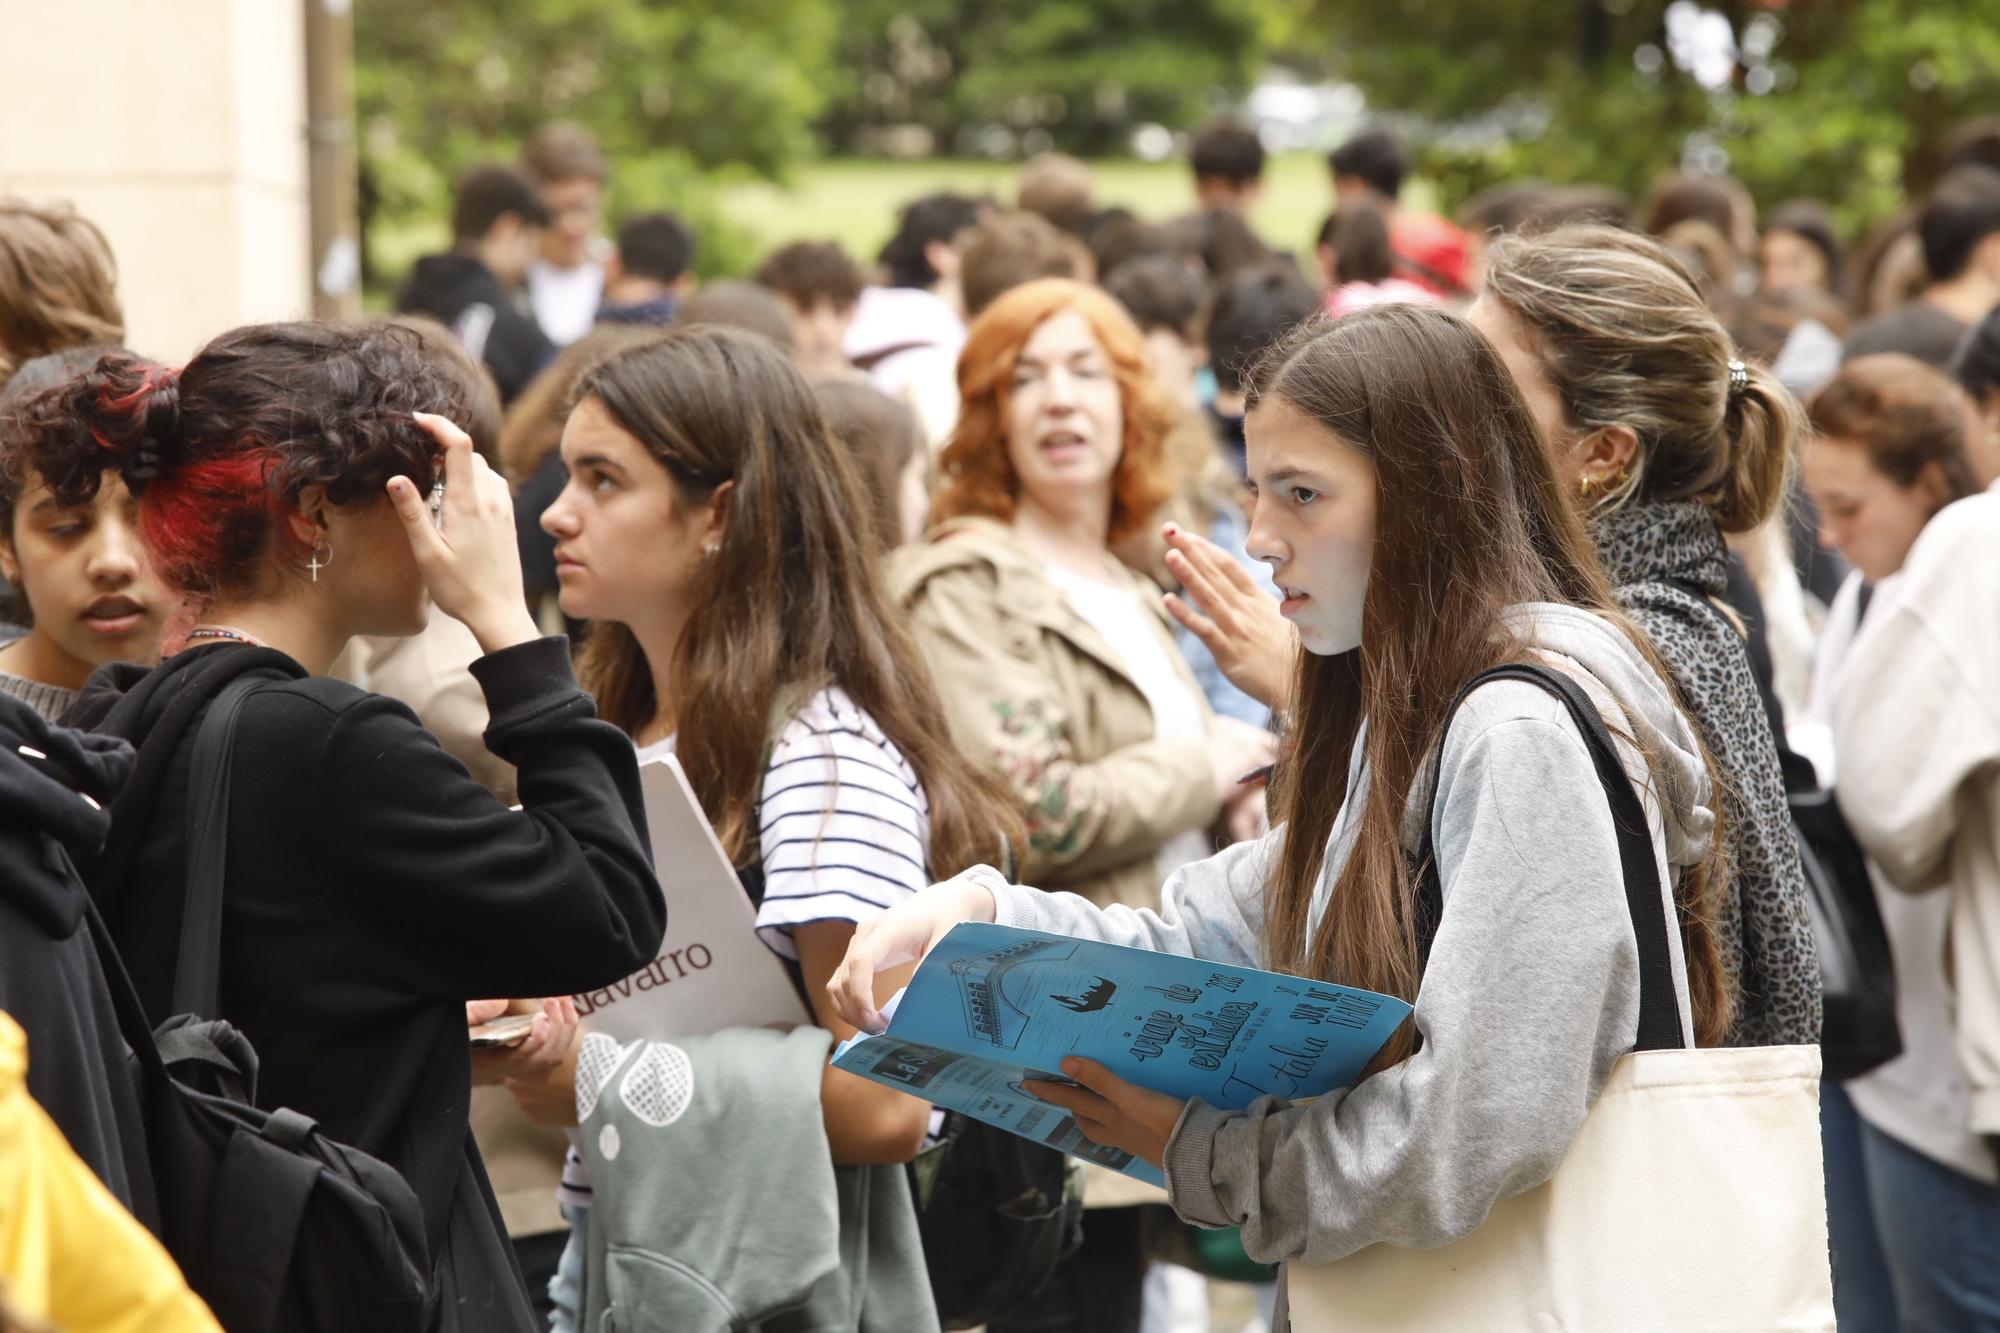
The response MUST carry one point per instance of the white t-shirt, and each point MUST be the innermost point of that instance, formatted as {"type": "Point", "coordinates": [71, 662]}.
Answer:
{"type": "Point", "coordinates": [1921, 1098]}
{"type": "Point", "coordinates": [843, 826]}
{"type": "Point", "coordinates": [565, 300]}
{"type": "Point", "coordinates": [1129, 627]}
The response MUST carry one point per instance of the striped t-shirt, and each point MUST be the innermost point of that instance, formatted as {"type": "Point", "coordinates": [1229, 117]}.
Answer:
{"type": "Point", "coordinates": [844, 831]}
{"type": "Point", "coordinates": [843, 825]}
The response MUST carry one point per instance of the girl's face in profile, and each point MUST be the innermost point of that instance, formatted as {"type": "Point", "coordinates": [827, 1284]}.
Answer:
{"type": "Point", "coordinates": [1312, 519]}
{"type": "Point", "coordinates": [627, 548]}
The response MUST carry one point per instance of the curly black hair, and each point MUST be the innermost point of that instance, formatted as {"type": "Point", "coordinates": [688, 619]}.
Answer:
{"type": "Point", "coordinates": [220, 451]}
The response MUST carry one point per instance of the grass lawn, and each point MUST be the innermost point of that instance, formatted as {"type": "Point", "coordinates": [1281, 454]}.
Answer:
{"type": "Point", "coordinates": [855, 202]}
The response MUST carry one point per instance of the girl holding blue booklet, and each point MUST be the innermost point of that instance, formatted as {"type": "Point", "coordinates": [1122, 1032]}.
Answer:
{"type": "Point", "coordinates": [1413, 521]}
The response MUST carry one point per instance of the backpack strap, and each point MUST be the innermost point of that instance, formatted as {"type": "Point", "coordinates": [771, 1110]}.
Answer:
{"type": "Point", "coordinates": [125, 1005]}
{"type": "Point", "coordinates": [1659, 1001]}
{"type": "Point", "coordinates": [198, 970]}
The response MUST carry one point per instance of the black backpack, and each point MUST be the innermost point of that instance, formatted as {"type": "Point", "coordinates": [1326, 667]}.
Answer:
{"type": "Point", "coordinates": [275, 1225]}
{"type": "Point", "coordinates": [996, 1214]}
{"type": "Point", "coordinates": [1859, 1030]}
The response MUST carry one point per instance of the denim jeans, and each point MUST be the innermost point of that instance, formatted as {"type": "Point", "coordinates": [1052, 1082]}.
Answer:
{"type": "Point", "coordinates": [1864, 1301]}
{"type": "Point", "coordinates": [1938, 1233]}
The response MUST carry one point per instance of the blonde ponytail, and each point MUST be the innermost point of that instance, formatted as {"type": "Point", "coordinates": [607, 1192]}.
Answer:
{"type": "Point", "coordinates": [1762, 423]}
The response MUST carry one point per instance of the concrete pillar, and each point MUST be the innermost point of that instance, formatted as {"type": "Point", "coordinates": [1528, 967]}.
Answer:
{"type": "Point", "coordinates": [179, 128]}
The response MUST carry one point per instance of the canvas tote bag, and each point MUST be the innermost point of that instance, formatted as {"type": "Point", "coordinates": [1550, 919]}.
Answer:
{"type": "Point", "coordinates": [1692, 1199]}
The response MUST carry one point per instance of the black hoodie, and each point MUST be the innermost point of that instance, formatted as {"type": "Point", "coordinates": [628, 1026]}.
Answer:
{"type": "Point", "coordinates": [373, 886]}
{"type": "Point", "coordinates": [55, 787]}
{"type": "Point", "coordinates": [511, 344]}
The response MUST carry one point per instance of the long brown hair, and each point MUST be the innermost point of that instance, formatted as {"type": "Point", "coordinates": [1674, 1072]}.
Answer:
{"type": "Point", "coordinates": [1469, 521]}
{"type": "Point", "coordinates": [790, 601]}
{"type": "Point", "coordinates": [533, 426]}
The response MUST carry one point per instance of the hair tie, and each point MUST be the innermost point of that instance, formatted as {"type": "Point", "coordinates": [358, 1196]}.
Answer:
{"type": "Point", "coordinates": [1739, 377]}
{"type": "Point", "coordinates": [143, 465]}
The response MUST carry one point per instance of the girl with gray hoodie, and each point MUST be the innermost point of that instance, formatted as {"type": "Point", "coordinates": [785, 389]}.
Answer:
{"type": "Point", "coordinates": [1411, 517]}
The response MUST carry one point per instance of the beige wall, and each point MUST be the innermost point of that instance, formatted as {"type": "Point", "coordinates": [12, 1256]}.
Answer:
{"type": "Point", "coordinates": [177, 126]}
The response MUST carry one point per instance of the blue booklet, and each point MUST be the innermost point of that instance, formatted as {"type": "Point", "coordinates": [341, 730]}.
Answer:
{"type": "Point", "coordinates": [992, 1006]}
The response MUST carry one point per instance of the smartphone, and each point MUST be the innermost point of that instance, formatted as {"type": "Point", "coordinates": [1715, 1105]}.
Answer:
{"type": "Point", "coordinates": [511, 1030]}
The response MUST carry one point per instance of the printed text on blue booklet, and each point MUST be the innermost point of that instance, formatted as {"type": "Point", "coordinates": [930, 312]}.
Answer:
{"type": "Point", "coordinates": [992, 1006]}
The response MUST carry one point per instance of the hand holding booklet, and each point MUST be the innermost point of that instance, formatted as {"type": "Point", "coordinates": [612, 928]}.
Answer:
{"type": "Point", "coordinates": [994, 1006]}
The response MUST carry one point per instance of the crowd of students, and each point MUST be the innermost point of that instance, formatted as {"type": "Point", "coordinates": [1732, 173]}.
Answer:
{"type": "Point", "coordinates": [1112, 576]}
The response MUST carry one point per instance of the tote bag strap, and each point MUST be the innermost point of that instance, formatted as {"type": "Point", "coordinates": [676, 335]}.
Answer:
{"type": "Point", "coordinates": [198, 969]}
{"type": "Point", "coordinates": [1659, 1001]}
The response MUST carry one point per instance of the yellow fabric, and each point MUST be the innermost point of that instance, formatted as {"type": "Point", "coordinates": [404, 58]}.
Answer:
{"type": "Point", "coordinates": [70, 1253]}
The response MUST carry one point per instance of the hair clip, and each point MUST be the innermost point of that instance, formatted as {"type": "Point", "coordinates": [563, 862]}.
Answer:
{"type": "Point", "coordinates": [1739, 377]}
{"type": "Point", "coordinates": [145, 462]}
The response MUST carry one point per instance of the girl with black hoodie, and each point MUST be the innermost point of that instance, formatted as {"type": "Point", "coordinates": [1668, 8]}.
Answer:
{"type": "Point", "coordinates": [372, 886]}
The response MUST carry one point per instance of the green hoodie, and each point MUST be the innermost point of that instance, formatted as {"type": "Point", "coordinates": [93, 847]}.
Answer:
{"type": "Point", "coordinates": [716, 1204]}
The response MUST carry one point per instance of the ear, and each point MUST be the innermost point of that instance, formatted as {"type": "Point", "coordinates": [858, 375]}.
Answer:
{"type": "Point", "coordinates": [943, 257]}
{"type": "Point", "coordinates": [614, 271]}
{"type": "Point", "coordinates": [717, 524]}
{"type": "Point", "coordinates": [307, 520]}
{"type": "Point", "coordinates": [1604, 454]}
{"type": "Point", "coordinates": [10, 564]}
{"type": "Point", "coordinates": [1931, 486]}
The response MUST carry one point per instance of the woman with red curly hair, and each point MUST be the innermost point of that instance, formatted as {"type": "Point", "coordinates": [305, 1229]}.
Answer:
{"type": "Point", "coordinates": [1056, 663]}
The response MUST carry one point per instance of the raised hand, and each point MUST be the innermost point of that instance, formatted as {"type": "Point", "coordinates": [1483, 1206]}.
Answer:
{"type": "Point", "coordinates": [1237, 621]}
{"type": "Point", "coordinates": [467, 553]}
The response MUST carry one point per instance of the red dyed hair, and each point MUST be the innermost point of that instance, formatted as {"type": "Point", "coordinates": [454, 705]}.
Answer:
{"type": "Point", "coordinates": [979, 474]}
{"type": "Point", "coordinates": [188, 514]}
{"type": "Point", "coordinates": [220, 452]}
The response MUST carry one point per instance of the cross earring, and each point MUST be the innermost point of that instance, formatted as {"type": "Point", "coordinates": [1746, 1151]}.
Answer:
{"type": "Point", "coordinates": [317, 561]}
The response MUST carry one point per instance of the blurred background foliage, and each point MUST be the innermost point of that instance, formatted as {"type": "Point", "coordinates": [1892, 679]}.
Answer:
{"type": "Point", "coordinates": [750, 119]}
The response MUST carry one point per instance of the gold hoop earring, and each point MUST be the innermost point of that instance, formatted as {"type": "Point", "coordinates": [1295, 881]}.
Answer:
{"type": "Point", "coordinates": [1585, 489]}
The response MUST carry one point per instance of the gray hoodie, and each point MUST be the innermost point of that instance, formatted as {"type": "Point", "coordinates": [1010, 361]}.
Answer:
{"type": "Point", "coordinates": [1530, 996]}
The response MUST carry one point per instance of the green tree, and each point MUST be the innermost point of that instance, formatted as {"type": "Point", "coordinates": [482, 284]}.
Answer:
{"type": "Point", "coordinates": [1845, 100]}
{"type": "Point", "coordinates": [1076, 74]}
{"type": "Point", "coordinates": [679, 94]}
